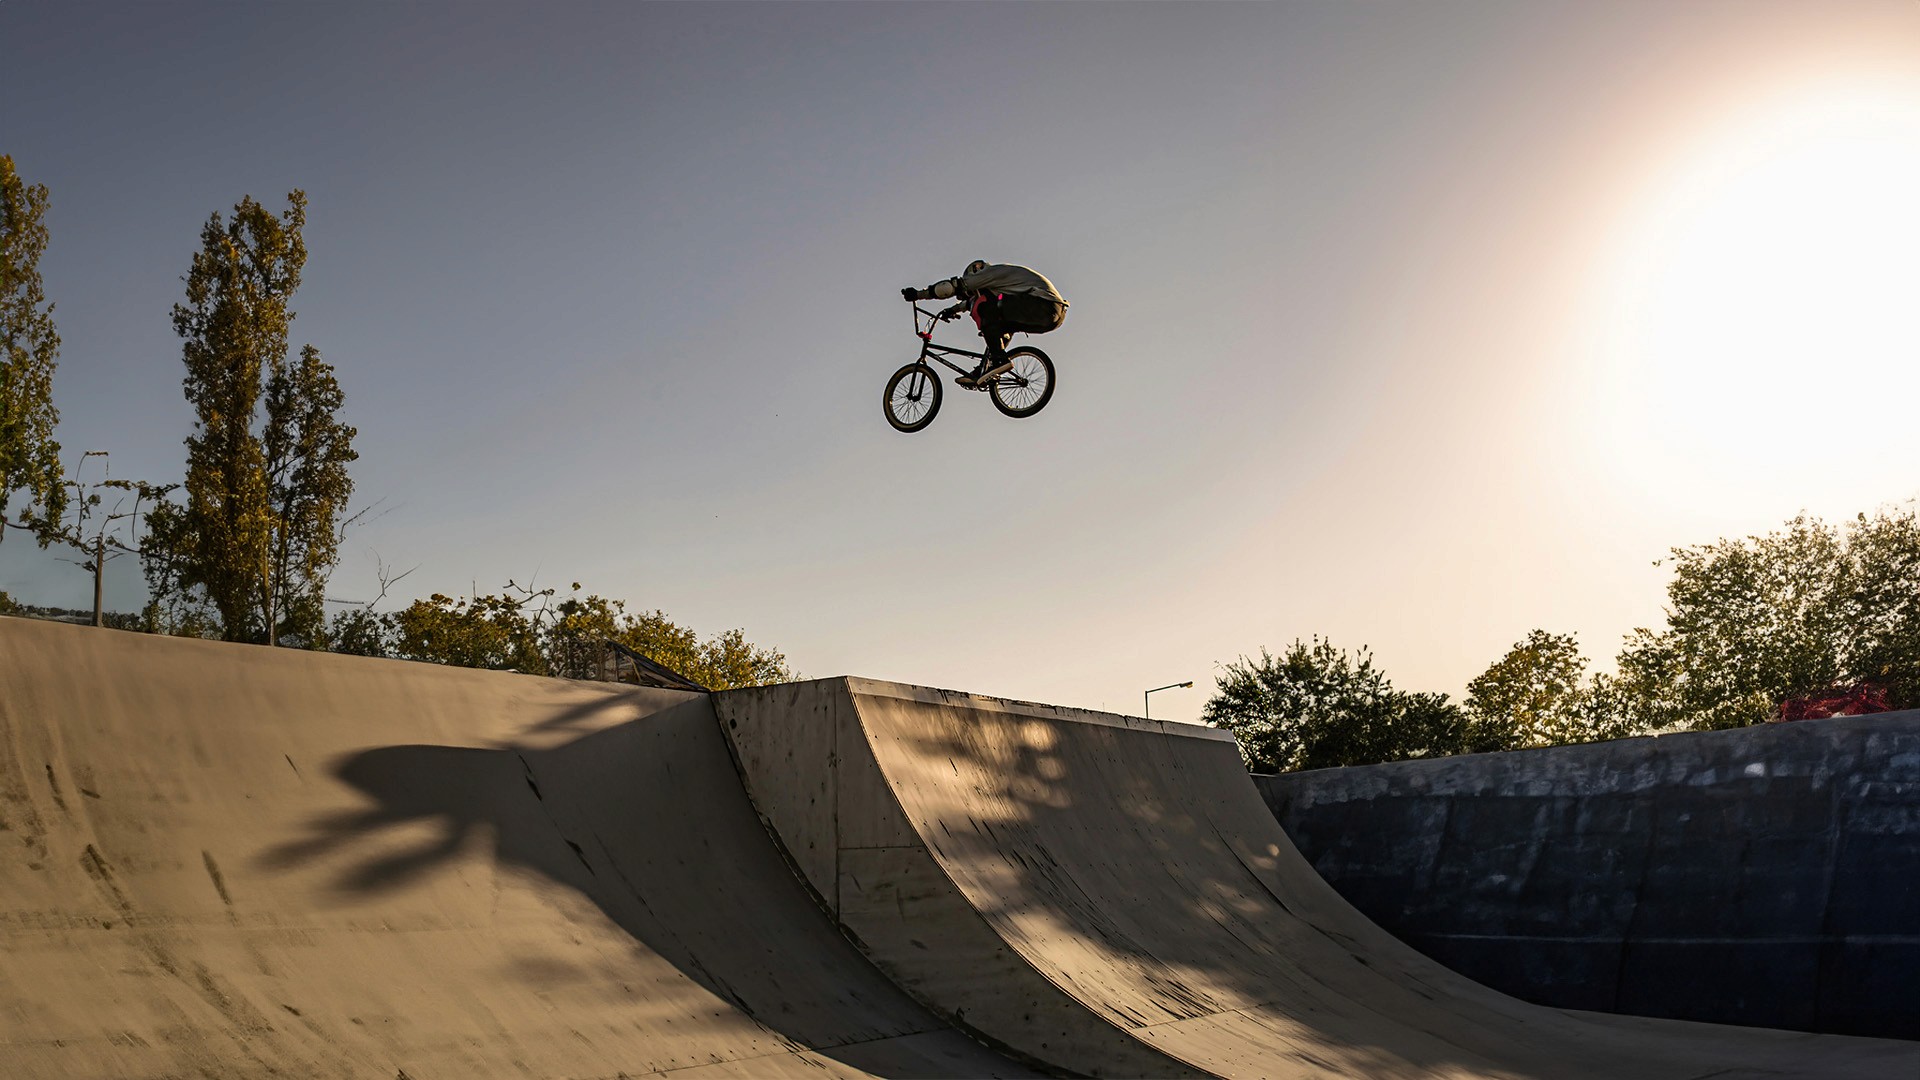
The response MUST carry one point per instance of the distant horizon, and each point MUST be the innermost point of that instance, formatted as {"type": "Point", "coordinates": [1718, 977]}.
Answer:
{"type": "Point", "coordinates": [1603, 661]}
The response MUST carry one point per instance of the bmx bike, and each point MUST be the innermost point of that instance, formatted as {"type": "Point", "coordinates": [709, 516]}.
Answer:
{"type": "Point", "coordinates": [913, 393]}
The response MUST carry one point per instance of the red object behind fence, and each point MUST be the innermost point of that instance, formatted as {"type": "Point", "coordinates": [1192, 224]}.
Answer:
{"type": "Point", "coordinates": [1856, 700]}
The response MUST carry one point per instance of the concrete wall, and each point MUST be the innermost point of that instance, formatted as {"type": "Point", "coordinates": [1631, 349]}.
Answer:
{"type": "Point", "coordinates": [1766, 876]}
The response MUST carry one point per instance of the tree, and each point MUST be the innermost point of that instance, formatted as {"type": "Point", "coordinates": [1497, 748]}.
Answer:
{"type": "Point", "coordinates": [482, 632]}
{"type": "Point", "coordinates": [362, 631]}
{"type": "Point", "coordinates": [579, 624]}
{"type": "Point", "coordinates": [1533, 696]}
{"type": "Point", "coordinates": [658, 638]}
{"type": "Point", "coordinates": [529, 631]}
{"type": "Point", "coordinates": [1883, 597]}
{"type": "Point", "coordinates": [1316, 707]}
{"type": "Point", "coordinates": [1749, 623]}
{"type": "Point", "coordinates": [1640, 697]}
{"type": "Point", "coordinates": [575, 631]}
{"type": "Point", "coordinates": [307, 450]}
{"type": "Point", "coordinates": [729, 660]}
{"type": "Point", "coordinates": [1752, 622]}
{"type": "Point", "coordinates": [1805, 612]}
{"type": "Point", "coordinates": [250, 548]}
{"type": "Point", "coordinates": [29, 352]}
{"type": "Point", "coordinates": [100, 533]}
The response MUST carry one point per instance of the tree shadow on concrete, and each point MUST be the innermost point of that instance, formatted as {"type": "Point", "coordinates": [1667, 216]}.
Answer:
{"type": "Point", "coordinates": [648, 821]}
{"type": "Point", "coordinates": [1157, 851]}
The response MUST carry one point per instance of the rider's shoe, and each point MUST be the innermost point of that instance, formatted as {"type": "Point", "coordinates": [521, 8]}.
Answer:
{"type": "Point", "coordinates": [986, 374]}
{"type": "Point", "coordinates": [973, 378]}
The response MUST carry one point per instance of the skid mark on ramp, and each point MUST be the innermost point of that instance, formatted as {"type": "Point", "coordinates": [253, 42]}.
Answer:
{"type": "Point", "coordinates": [95, 866]}
{"type": "Point", "coordinates": [242, 1017]}
{"type": "Point", "coordinates": [53, 785]}
{"type": "Point", "coordinates": [219, 882]}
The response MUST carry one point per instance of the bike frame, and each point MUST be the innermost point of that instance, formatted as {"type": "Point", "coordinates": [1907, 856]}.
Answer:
{"type": "Point", "coordinates": [939, 353]}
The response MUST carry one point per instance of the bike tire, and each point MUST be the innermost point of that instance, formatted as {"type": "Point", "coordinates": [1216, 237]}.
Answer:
{"type": "Point", "coordinates": [912, 399]}
{"type": "Point", "coordinates": [1028, 387]}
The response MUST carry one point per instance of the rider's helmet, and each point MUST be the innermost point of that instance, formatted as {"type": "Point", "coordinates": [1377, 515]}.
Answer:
{"type": "Point", "coordinates": [976, 266]}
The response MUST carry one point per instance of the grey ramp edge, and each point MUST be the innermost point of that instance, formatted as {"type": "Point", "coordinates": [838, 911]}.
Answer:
{"type": "Point", "coordinates": [804, 761]}
{"type": "Point", "coordinates": [1137, 868]}
{"type": "Point", "coordinates": [230, 860]}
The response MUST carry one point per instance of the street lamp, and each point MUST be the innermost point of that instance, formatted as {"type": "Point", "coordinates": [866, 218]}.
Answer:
{"type": "Point", "coordinates": [1147, 698]}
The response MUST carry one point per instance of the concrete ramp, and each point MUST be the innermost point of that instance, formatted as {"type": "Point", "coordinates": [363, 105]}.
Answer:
{"type": "Point", "coordinates": [1111, 895]}
{"type": "Point", "coordinates": [232, 861]}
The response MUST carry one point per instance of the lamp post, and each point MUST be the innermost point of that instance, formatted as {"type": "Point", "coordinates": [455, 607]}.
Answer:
{"type": "Point", "coordinates": [1146, 699]}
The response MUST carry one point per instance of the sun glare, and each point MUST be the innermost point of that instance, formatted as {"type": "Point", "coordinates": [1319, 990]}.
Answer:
{"type": "Point", "coordinates": [1761, 328]}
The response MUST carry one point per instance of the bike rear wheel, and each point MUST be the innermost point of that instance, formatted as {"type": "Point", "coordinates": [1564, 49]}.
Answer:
{"type": "Point", "coordinates": [1028, 387]}
{"type": "Point", "coordinates": [913, 397]}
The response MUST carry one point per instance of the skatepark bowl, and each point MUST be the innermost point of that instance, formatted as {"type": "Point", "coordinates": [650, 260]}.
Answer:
{"type": "Point", "coordinates": [234, 861]}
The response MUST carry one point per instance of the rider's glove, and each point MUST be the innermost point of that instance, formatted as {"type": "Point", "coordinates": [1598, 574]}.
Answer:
{"type": "Point", "coordinates": [910, 294]}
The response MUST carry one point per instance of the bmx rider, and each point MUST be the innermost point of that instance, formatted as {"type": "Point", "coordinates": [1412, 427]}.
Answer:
{"type": "Point", "coordinates": [1003, 299]}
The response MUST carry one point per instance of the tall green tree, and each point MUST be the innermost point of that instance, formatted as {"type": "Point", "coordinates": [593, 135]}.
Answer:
{"type": "Point", "coordinates": [29, 352]}
{"type": "Point", "coordinates": [1534, 696]}
{"type": "Point", "coordinates": [1318, 706]}
{"type": "Point", "coordinates": [307, 450]}
{"type": "Point", "coordinates": [1883, 598]}
{"type": "Point", "coordinates": [1806, 609]}
{"type": "Point", "coordinates": [1750, 623]}
{"type": "Point", "coordinates": [257, 534]}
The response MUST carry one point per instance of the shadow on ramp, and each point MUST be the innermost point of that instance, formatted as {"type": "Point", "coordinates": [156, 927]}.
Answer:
{"type": "Point", "coordinates": [646, 820]}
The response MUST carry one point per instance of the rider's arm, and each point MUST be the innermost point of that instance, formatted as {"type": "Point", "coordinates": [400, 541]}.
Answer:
{"type": "Point", "coordinates": [942, 290]}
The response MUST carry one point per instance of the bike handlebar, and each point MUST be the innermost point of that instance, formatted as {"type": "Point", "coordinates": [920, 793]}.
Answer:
{"type": "Point", "coordinates": [934, 318]}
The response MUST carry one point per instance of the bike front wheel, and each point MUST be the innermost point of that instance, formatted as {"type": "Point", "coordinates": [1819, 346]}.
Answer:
{"type": "Point", "coordinates": [1028, 387]}
{"type": "Point", "coordinates": [913, 397]}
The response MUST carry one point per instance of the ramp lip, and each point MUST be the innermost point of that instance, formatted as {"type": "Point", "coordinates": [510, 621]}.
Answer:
{"type": "Point", "coordinates": [927, 695]}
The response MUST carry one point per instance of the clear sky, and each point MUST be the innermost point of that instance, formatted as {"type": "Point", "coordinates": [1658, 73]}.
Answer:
{"type": "Point", "coordinates": [1412, 325]}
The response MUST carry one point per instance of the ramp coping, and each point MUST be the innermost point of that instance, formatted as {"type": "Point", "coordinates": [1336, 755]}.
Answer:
{"type": "Point", "coordinates": [927, 695]}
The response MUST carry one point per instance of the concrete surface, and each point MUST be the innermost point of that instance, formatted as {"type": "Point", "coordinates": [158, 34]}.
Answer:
{"type": "Point", "coordinates": [1133, 871]}
{"type": "Point", "coordinates": [1766, 876]}
{"type": "Point", "coordinates": [233, 861]}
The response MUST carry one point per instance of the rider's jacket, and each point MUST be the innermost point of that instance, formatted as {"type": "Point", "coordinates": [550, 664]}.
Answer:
{"type": "Point", "coordinates": [1000, 278]}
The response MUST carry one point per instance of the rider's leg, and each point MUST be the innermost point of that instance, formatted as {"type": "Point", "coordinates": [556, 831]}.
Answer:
{"type": "Point", "coordinates": [990, 364]}
{"type": "Point", "coordinates": [994, 331]}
